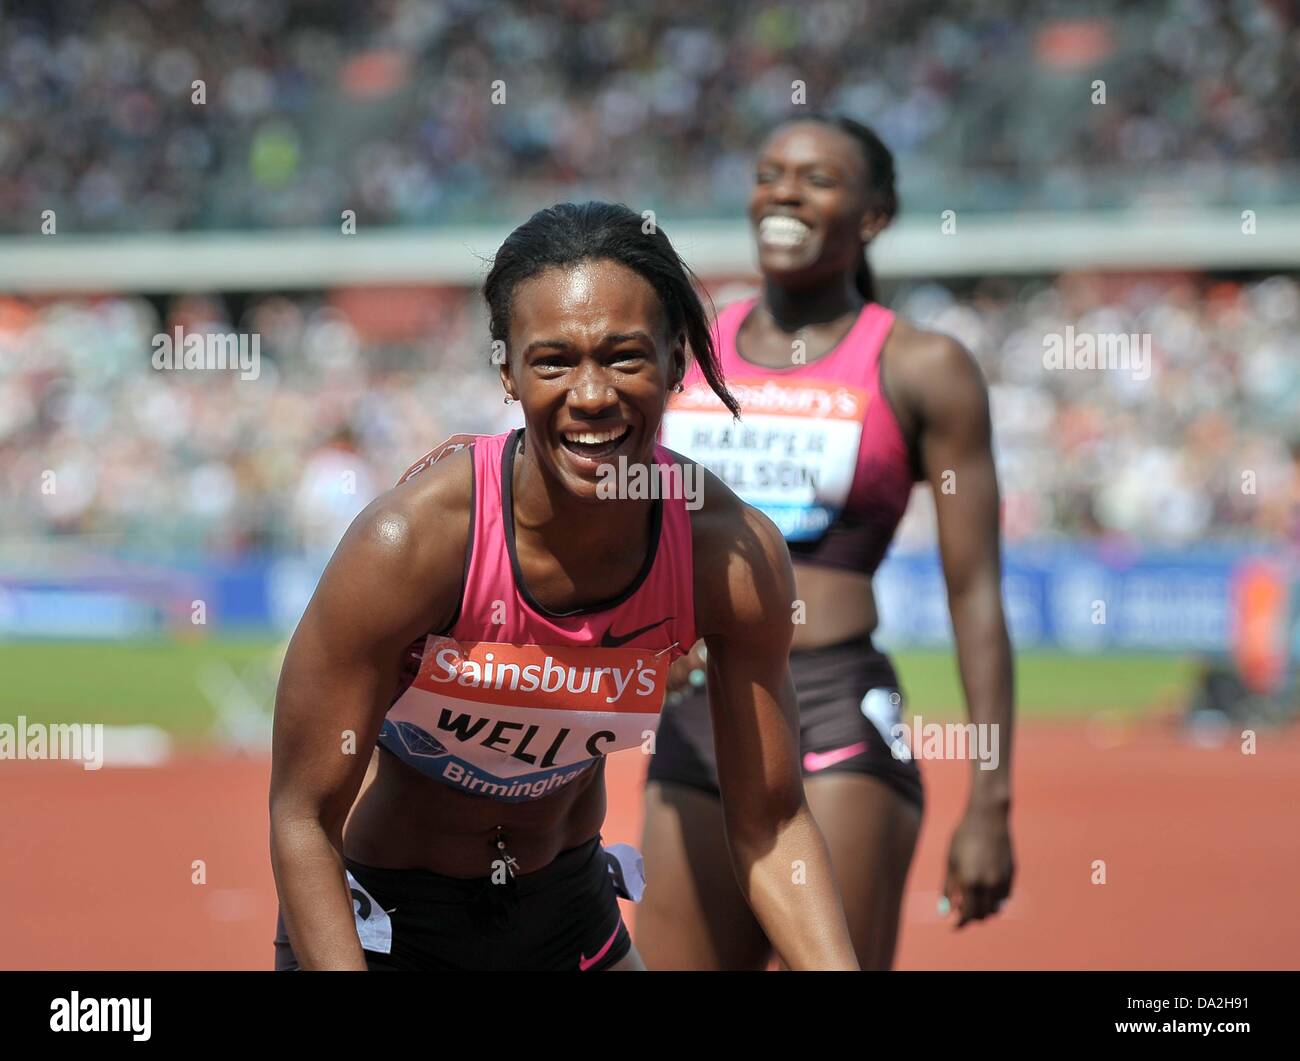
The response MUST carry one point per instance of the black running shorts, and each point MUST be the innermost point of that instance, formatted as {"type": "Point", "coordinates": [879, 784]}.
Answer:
{"type": "Point", "coordinates": [849, 700]}
{"type": "Point", "coordinates": [562, 917]}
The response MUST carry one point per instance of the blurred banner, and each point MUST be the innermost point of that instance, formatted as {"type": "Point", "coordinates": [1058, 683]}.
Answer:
{"type": "Point", "coordinates": [1081, 598]}
{"type": "Point", "coordinates": [1078, 598]}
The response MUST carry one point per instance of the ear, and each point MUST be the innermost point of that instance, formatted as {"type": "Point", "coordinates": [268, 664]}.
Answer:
{"type": "Point", "coordinates": [679, 359]}
{"type": "Point", "coordinates": [507, 383]}
{"type": "Point", "coordinates": [872, 224]}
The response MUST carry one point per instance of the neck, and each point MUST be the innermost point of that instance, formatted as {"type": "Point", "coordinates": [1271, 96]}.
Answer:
{"type": "Point", "coordinates": [794, 308]}
{"type": "Point", "coordinates": [568, 525]}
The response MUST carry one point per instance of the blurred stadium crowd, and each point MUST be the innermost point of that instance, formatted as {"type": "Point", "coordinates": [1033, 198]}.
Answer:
{"type": "Point", "coordinates": [190, 461]}
{"type": "Point", "coordinates": [386, 107]}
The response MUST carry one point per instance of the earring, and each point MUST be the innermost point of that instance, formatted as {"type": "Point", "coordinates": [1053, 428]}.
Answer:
{"type": "Point", "coordinates": [679, 388]}
{"type": "Point", "coordinates": [507, 399]}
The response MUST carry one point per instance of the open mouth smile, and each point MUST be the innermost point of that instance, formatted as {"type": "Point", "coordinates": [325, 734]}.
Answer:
{"type": "Point", "coordinates": [594, 445]}
{"type": "Point", "coordinates": [781, 231]}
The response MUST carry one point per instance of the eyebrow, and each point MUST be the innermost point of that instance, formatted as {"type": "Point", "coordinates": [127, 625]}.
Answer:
{"type": "Point", "coordinates": [608, 340]}
{"type": "Point", "coordinates": [826, 164]}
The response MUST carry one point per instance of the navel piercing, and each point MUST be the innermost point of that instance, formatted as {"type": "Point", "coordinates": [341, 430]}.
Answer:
{"type": "Point", "coordinates": [510, 861]}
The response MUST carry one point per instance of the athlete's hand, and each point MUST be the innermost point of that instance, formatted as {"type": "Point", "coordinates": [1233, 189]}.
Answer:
{"type": "Point", "coordinates": [980, 865]}
{"type": "Point", "coordinates": [688, 671]}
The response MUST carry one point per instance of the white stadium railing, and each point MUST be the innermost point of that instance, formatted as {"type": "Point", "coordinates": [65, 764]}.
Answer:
{"type": "Point", "coordinates": [963, 245]}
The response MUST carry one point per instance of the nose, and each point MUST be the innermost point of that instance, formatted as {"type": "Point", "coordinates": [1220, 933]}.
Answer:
{"type": "Point", "coordinates": [785, 189]}
{"type": "Point", "coordinates": [591, 393]}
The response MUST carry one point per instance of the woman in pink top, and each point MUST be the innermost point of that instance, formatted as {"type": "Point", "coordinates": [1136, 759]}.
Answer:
{"type": "Point", "coordinates": [843, 408]}
{"type": "Point", "coordinates": [488, 630]}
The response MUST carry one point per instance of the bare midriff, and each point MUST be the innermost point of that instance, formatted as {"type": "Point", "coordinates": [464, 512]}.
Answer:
{"type": "Point", "coordinates": [402, 819]}
{"type": "Point", "coordinates": [838, 606]}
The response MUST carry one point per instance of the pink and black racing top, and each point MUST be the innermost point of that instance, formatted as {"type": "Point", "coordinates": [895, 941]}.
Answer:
{"type": "Point", "coordinates": [817, 447]}
{"type": "Point", "coordinates": [512, 701]}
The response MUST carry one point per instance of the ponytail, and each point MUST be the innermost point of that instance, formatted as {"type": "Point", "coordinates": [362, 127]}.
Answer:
{"type": "Point", "coordinates": [865, 280]}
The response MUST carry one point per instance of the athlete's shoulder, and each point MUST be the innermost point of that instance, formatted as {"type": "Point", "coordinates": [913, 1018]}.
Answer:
{"type": "Point", "coordinates": [425, 517]}
{"type": "Point", "coordinates": [920, 354]}
{"type": "Point", "coordinates": [462, 443]}
{"type": "Point", "coordinates": [444, 476]}
{"type": "Point", "coordinates": [931, 370]}
{"type": "Point", "coordinates": [717, 511]}
{"type": "Point", "coordinates": [742, 565]}
{"type": "Point", "coordinates": [400, 564]}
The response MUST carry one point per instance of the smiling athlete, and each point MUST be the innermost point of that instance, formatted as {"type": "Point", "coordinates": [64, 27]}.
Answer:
{"type": "Point", "coordinates": [498, 623]}
{"type": "Point", "coordinates": [844, 407]}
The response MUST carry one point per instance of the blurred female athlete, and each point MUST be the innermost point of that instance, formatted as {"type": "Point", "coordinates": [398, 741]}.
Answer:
{"type": "Point", "coordinates": [498, 622]}
{"type": "Point", "coordinates": [843, 408]}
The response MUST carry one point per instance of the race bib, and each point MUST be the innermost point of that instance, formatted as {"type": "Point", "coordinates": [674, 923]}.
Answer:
{"type": "Point", "coordinates": [516, 722]}
{"type": "Point", "coordinates": [793, 454]}
{"type": "Point", "coordinates": [374, 926]}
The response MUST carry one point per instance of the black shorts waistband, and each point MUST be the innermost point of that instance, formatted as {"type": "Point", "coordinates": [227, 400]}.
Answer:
{"type": "Point", "coordinates": [858, 643]}
{"type": "Point", "coordinates": [425, 884]}
{"type": "Point", "coordinates": [854, 662]}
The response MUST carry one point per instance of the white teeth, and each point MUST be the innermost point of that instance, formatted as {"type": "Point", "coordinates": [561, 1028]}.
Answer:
{"type": "Point", "coordinates": [781, 231]}
{"type": "Point", "coordinates": [594, 438]}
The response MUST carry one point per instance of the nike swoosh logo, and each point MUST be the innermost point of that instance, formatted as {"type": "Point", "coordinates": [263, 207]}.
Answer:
{"type": "Point", "coordinates": [814, 761]}
{"type": "Point", "coordinates": [585, 963]}
{"type": "Point", "coordinates": [613, 640]}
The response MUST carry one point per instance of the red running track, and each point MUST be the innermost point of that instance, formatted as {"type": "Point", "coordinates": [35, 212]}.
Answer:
{"type": "Point", "coordinates": [1201, 848]}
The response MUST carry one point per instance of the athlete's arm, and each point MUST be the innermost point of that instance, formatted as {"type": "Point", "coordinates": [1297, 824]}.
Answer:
{"type": "Point", "coordinates": [745, 595]}
{"type": "Point", "coordinates": [395, 576]}
{"type": "Point", "coordinates": [946, 392]}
